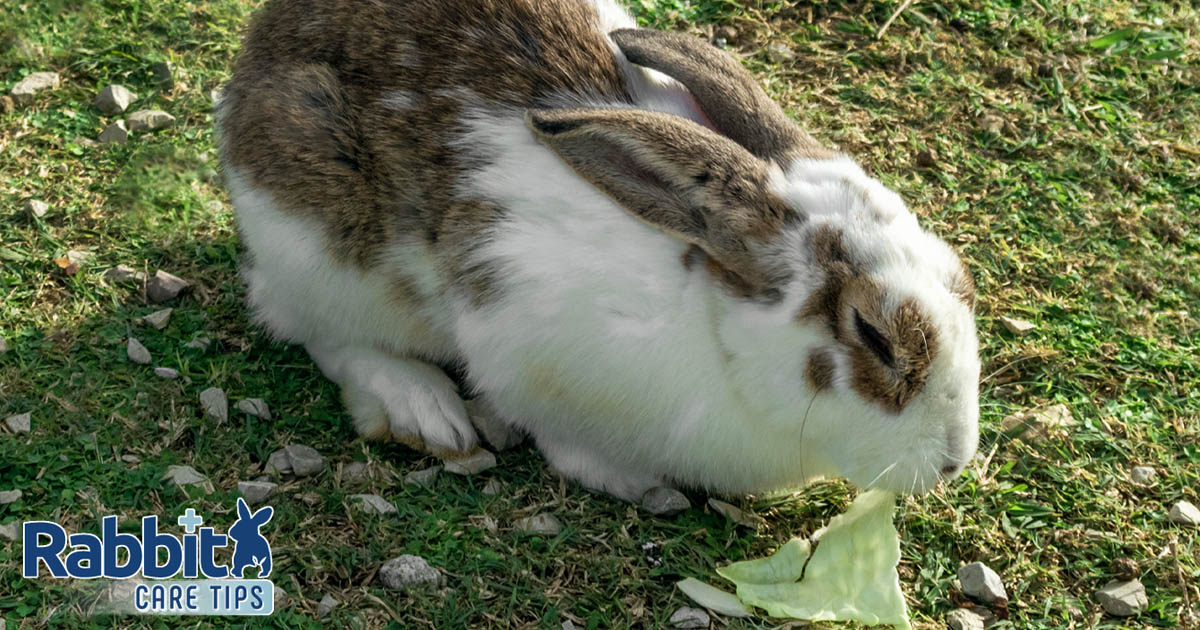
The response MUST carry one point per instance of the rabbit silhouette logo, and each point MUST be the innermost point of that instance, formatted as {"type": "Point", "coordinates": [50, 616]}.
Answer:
{"type": "Point", "coordinates": [251, 548]}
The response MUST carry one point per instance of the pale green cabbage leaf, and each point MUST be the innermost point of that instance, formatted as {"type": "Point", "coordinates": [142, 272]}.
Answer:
{"type": "Point", "coordinates": [851, 576]}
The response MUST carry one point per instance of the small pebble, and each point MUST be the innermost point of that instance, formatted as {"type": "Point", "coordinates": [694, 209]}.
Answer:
{"type": "Point", "coordinates": [355, 472]}
{"type": "Point", "coordinates": [36, 208]}
{"type": "Point", "coordinates": [19, 423]}
{"type": "Point", "coordinates": [256, 407]}
{"type": "Point", "coordinates": [373, 504]}
{"type": "Point", "coordinates": [326, 606]}
{"type": "Point", "coordinates": [166, 372]}
{"type": "Point", "coordinates": [131, 459]}
{"type": "Point", "coordinates": [256, 492]}
{"type": "Point", "coordinates": [545, 524]}
{"type": "Point", "coordinates": [183, 476]}
{"type": "Point", "coordinates": [964, 619]}
{"type": "Point", "coordinates": [9, 496]}
{"type": "Point", "coordinates": [279, 462]}
{"type": "Point", "coordinates": [305, 460]}
{"type": "Point", "coordinates": [1018, 327]}
{"type": "Point", "coordinates": [472, 465]}
{"type": "Point", "coordinates": [149, 120]}
{"type": "Point", "coordinates": [1184, 513]}
{"type": "Point", "coordinates": [981, 583]}
{"type": "Point", "coordinates": [158, 319]}
{"type": "Point", "coordinates": [491, 488]}
{"type": "Point", "coordinates": [137, 352]}
{"type": "Point", "coordinates": [123, 274]}
{"type": "Point", "coordinates": [115, 133]}
{"type": "Point", "coordinates": [22, 93]}
{"type": "Point", "coordinates": [11, 531]}
{"type": "Point", "coordinates": [409, 571]}
{"type": "Point", "coordinates": [688, 617]}
{"type": "Point", "coordinates": [199, 343]}
{"type": "Point", "coordinates": [114, 99]}
{"type": "Point", "coordinates": [665, 501]}
{"type": "Point", "coordinates": [164, 286]}
{"type": "Point", "coordinates": [735, 514]}
{"type": "Point", "coordinates": [215, 404]}
{"type": "Point", "coordinates": [1123, 599]}
{"type": "Point", "coordinates": [424, 478]}
{"type": "Point", "coordinates": [1143, 475]}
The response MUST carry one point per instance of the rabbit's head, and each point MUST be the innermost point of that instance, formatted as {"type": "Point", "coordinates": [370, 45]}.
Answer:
{"type": "Point", "coordinates": [850, 338]}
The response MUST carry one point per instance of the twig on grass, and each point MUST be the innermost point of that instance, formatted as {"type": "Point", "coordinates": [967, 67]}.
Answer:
{"type": "Point", "coordinates": [884, 28]}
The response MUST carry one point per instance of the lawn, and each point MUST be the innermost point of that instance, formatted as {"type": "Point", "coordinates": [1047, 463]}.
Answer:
{"type": "Point", "coordinates": [1055, 144]}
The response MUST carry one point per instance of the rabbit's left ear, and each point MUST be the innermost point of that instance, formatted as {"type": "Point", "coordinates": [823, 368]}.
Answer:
{"type": "Point", "coordinates": [678, 176]}
{"type": "Point", "coordinates": [263, 515]}
{"type": "Point", "coordinates": [243, 509]}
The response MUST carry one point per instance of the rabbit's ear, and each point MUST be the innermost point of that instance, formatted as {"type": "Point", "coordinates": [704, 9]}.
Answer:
{"type": "Point", "coordinates": [243, 509]}
{"type": "Point", "coordinates": [672, 173]}
{"type": "Point", "coordinates": [263, 515]}
{"type": "Point", "coordinates": [725, 91]}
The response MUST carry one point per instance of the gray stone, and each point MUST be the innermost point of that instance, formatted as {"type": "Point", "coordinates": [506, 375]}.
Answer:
{"type": "Point", "coordinates": [665, 501]}
{"type": "Point", "coordinates": [279, 462]}
{"type": "Point", "coordinates": [256, 407]}
{"type": "Point", "coordinates": [473, 464]}
{"type": "Point", "coordinates": [1038, 424]}
{"type": "Point", "coordinates": [981, 583]}
{"type": "Point", "coordinates": [137, 352]}
{"type": "Point", "coordinates": [326, 606]}
{"type": "Point", "coordinates": [373, 504]}
{"type": "Point", "coordinates": [166, 372]}
{"type": "Point", "coordinates": [545, 524]}
{"type": "Point", "coordinates": [149, 120]}
{"type": "Point", "coordinates": [964, 619]}
{"type": "Point", "coordinates": [1143, 475]}
{"type": "Point", "coordinates": [498, 434]}
{"type": "Point", "coordinates": [281, 599]}
{"type": "Point", "coordinates": [491, 488]}
{"type": "Point", "coordinates": [199, 343]}
{"type": "Point", "coordinates": [256, 492]}
{"type": "Point", "coordinates": [688, 617]}
{"type": "Point", "coordinates": [1018, 327]}
{"type": "Point", "coordinates": [114, 99]}
{"type": "Point", "coordinates": [159, 319]}
{"type": "Point", "coordinates": [215, 404]}
{"type": "Point", "coordinates": [19, 423]}
{"type": "Point", "coordinates": [409, 571]}
{"type": "Point", "coordinates": [735, 514]}
{"type": "Point", "coordinates": [79, 258]}
{"type": "Point", "coordinates": [568, 625]}
{"type": "Point", "coordinates": [115, 133]}
{"type": "Point", "coordinates": [164, 286]}
{"type": "Point", "coordinates": [183, 476]}
{"type": "Point", "coordinates": [355, 472]}
{"type": "Point", "coordinates": [1123, 599]}
{"type": "Point", "coordinates": [11, 531]}
{"type": "Point", "coordinates": [36, 208]}
{"type": "Point", "coordinates": [22, 93]}
{"type": "Point", "coordinates": [1184, 513]}
{"type": "Point", "coordinates": [780, 53]}
{"type": "Point", "coordinates": [9, 496]}
{"type": "Point", "coordinates": [305, 460]}
{"type": "Point", "coordinates": [123, 274]}
{"type": "Point", "coordinates": [424, 478]}
{"type": "Point", "coordinates": [131, 459]}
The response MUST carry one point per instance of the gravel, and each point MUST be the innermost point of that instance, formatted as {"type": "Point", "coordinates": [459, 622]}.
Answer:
{"type": "Point", "coordinates": [166, 372]}
{"type": "Point", "coordinates": [665, 501]}
{"type": "Point", "coordinates": [424, 478]}
{"type": "Point", "coordinates": [184, 476]}
{"type": "Point", "coordinates": [688, 617]}
{"type": "Point", "coordinates": [10, 496]}
{"type": "Point", "coordinates": [215, 404]}
{"type": "Point", "coordinates": [114, 99]}
{"type": "Point", "coordinates": [149, 120]}
{"type": "Point", "coordinates": [409, 571]}
{"type": "Point", "coordinates": [22, 93]}
{"type": "Point", "coordinates": [1143, 475]}
{"type": "Point", "coordinates": [137, 352]}
{"type": "Point", "coordinates": [964, 619]}
{"type": "Point", "coordinates": [373, 504]}
{"type": "Point", "coordinates": [326, 605]}
{"type": "Point", "coordinates": [36, 208]}
{"type": "Point", "coordinates": [1123, 599]}
{"type": "Point", "coordinates": [1184, 513]}
{"type": "Point", "coordinates": [472, 465]}
{"type": "Point", "coordinates": [159, 319]}
{"type": "Point", "coordinates": [257, 492]}
{"type": "Point", "coordinates": [1018, 327]}
{"type": "Point", "coordinates": [545, 524]}
{"type": "Point", "coordinates": [164, 286]}
{"type": "Point", "coordinates": [19, 423]}
{"type": "Point", "coordinates": [115, 133]}
{"type": "Point", "coordinates": [256, 407]}
{"type": "Point", "coordinates": [981, 583]}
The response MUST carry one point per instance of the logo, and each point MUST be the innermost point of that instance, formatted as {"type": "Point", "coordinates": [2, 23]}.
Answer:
{"type": "Point", "coordinates": [207, 587]}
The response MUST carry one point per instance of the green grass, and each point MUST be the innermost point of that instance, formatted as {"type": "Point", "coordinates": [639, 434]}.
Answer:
{"type": "Point", "coordinates": [1064, 163]}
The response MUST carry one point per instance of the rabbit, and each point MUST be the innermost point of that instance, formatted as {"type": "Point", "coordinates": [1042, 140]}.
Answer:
{"type": "Point", "coordinates": [630, 251]}
{"type": "Point", "coordinates": [252, 548]}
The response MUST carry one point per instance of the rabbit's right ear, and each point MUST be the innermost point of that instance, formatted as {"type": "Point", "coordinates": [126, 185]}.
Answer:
{"type": "Point", "coordinates": [243, 509]}
{"type": "Point", "coordinates": [690, 182]}
{"type": "Point", "coordinates": [263, 515]}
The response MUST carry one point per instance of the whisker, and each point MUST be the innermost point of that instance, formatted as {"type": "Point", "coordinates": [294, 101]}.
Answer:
{"type": "Point", "coordinates": [804, 423]}
{"type": "Point", "coordinates": [881, 474]}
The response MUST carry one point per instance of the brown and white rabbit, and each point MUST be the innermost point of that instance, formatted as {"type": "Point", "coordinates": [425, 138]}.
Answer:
{"type": "Point", "coordinates": [636, 256]}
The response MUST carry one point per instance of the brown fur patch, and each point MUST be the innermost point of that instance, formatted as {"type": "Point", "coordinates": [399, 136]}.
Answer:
{"type": "Point", "coordinates": [963, 287]}
{"type": "Point", "coordinates": [303, 115]}
{"type": "Point", "coordinates": [913, 345]}
{"type": "Point", "coordinates": [725, 91]}
{"type": "Point", "coordinates": [820, 370]}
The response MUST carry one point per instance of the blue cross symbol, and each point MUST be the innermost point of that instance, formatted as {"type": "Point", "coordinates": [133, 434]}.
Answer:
{"type": "Point", "coordinates": [190, 521]}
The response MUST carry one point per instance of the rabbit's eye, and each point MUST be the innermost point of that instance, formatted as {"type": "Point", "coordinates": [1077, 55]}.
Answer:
{"type": "Point", "coordinates": [874, 340]}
